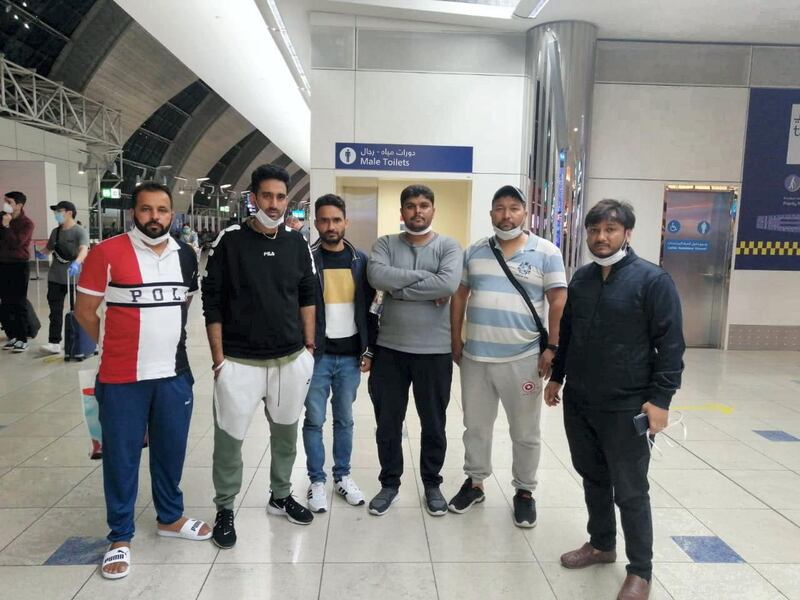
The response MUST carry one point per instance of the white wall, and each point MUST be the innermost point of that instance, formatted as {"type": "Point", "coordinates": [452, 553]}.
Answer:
{"type": "Point", "coordinates": [37, 180]}
{"type": "Point", "coordinates": [413, 106]}
{"type": "Point", "coordinates": [677, 113]}
{"type": "Point", "coordinates": [645, 137]}
{"type": "Point", "coordinates": [23, 142]}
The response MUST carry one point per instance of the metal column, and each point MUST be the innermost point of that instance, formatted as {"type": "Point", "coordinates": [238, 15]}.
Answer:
{"type": "Point", "coordinates": [560, 66]}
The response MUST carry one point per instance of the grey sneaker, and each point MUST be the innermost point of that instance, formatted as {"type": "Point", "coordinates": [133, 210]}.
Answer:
{"type": "Point", "coordinates": [435, 503]}
{"type": "Point", "coordinates": [383, 501]}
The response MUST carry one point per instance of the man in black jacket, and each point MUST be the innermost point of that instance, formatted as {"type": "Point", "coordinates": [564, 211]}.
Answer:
{"type": "Point", "coordinates": [621, 350]}
{"type": "Point", "coordinates": [259, 306]}
{"type": "Point", "coordinates": [346, 332]}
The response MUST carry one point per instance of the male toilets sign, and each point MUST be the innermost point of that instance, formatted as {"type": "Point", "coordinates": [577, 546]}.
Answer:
{"type": "Point", "coordinates": [402, 157]}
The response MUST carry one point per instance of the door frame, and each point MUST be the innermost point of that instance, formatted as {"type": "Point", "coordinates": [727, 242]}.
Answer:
{"type": "Point", "coordinates": [722, 342]}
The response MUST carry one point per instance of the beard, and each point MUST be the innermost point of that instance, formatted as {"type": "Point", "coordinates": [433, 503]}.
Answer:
{"type": "Point", "coordinates": [606, 251]}
{"type": "Point", "coordinates": [417, 225]}
{"type": "Point", "coordinates": [152, 229]}
{"type": "Point", "coordinates": [332, 237]}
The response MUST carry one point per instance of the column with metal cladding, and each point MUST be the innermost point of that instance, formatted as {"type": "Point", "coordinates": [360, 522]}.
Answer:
{"type": "Point", "coordinates": [560, 64]}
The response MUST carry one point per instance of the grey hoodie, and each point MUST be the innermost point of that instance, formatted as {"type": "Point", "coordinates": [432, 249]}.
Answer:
{"type": "Point", "coordinates": [413, 277]}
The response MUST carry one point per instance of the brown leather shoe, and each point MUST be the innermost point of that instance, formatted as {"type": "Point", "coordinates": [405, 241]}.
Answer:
{"type": "Point", "coordinates": [634, 588]}
{"type": "Point", "coordinates": [586, 556]}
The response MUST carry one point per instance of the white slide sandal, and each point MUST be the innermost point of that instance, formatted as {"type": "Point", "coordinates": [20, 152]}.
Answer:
{"type": "Point", "coordinates": [114, 556]}
{"type": "Point", "coordinates": [190, 531]}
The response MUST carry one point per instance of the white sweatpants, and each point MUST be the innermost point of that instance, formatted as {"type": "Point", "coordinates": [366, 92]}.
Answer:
{"type": "Point", "coordinates": [239, 389]}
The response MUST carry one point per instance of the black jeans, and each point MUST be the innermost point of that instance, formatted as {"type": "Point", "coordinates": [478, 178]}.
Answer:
{"type": "Point", "coordinates": [430, 375]}
{"type": "Point", "coordinates": [14, 277]}
{"type": "Point", "coordinates": [56, 292]}
{"type": "Point", "coordinates": [613, 461]}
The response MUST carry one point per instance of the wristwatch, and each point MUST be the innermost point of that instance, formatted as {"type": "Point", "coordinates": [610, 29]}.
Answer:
{"type": "Point", "coordinates": [552, 347]}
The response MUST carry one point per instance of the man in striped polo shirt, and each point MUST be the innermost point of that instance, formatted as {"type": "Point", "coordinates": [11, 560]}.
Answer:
{"type": "Point", "coordinates": [500, 358]}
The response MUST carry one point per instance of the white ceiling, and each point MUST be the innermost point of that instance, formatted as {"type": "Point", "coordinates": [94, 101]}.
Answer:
{"type": "Point", "coordinates": [229, 46]}
{"type": "Point", "coordinates": [728, 21]}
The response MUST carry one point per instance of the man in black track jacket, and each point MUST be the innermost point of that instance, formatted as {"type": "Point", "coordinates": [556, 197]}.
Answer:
{"type": "Point", "coordinates": [621, 351]}
{"type": "Point", "coordinates": [259, 306]}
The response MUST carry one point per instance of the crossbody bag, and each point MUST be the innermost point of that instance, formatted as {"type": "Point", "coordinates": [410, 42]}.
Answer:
{"type": "Point", "coordinates": [498, 254]}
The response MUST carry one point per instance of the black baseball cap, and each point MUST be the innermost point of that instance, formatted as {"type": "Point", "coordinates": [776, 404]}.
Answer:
{"type": "Point", "coordinates": [510, 191]}
{"type": "Point", "coordinates": [66, 206]}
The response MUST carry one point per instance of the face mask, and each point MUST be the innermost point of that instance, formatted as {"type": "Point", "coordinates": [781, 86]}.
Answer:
{"type": "Point", "coordinates": [186, 230]}
{"type": "Point", "coordinates": [7, 208]}
{"type": "Point", "coordinates": [609, 261]}
{"type": "Point", "coordinates": [268, 221]}
{"type": "Point", "coordinates": [143, 237]}
{"type": "Point", "coordinates": [423, 232]}
{"type": "Point", "coordinates": [511, 234]}
{"type": "Point", "coordinates": [59, 218]}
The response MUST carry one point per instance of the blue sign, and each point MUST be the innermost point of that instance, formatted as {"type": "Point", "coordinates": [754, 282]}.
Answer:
{"type": "Point", "coordinates": [400, 157]}
{"type": "Point", "coordinates": [686, 246]}
{"type": "Point", "coordinates": [674, 226]}
{"type": "Point", "coordinates": [703, 227]}
{"type": "Point", "coordinates": [769, 237]}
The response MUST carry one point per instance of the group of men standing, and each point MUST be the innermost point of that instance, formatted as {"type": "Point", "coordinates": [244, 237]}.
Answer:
{"type": "Point", "coordinates": [292, 327]}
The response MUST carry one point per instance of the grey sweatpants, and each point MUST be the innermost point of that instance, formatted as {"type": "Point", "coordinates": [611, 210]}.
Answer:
{"type": "Point", "coordinates": [517, 385]}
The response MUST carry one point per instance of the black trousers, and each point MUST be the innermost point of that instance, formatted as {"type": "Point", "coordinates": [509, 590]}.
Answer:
{"type": "Point", "coordinates": [56, 292]}
{"type": "Point", "coordinates": [613, 461]}
{"type": "Point", "coordinates": [14, 277]}
{"type": "Point", "coordinates": [430, 375]}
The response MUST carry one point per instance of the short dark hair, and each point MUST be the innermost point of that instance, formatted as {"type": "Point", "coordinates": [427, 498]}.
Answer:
{"type": "Point", "coordinates": [611, 210]}
{"type": "Point", "coordinates": [330, 200]}
{"type": "Point", "coordinates": [17, 197]}
{"type": "Point", "coordinates": [510, 191]}
{"type": "Point", "coordinates": [415, 190]}
{"type": "Point", "coordinates": [150, 186]}
{"type": "Point", "coordinates": [265, 172]}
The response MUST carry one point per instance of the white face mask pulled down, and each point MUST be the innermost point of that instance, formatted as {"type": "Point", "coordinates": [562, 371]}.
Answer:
{"type": "Point", "coordinates": [657, 453]}
{"type": "Point", "coordinates": [143, 237]}
{"type": "Point", "coordinates": [423, 232]}
{"type": "Point", "coordinates": [609, 261]}
{"type": "Point", "coordinates": [268, 221]}
{"type": "Point", "coordinates": [511, 234]}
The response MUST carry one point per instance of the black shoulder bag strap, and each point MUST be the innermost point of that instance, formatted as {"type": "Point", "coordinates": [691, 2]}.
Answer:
{"type": "Point", "coordinates": [498, 254]}
{"type": "Point", "coordinates": [57, 249]}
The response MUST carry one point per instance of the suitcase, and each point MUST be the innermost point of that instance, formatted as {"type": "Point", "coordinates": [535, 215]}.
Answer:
{"type": "Point", "coordinates": [77, 343]}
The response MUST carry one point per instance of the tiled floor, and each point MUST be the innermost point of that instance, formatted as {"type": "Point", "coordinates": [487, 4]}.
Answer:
{"type": "Point", "coordinates": [729, 483]}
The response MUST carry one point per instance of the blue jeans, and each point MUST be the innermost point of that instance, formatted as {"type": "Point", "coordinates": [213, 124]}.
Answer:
{"type": "Point", "coordinates": [338, 376]}
{"type": "Point", "coordinates": [162, 407]}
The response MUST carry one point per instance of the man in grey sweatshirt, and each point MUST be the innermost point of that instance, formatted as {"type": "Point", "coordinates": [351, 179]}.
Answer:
{"type": "Point", "coordinates": [418, 271]}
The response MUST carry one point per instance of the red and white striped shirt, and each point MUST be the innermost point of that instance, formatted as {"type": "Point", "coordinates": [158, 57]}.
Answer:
{"type": "Point", "coordinates": [146, 297]}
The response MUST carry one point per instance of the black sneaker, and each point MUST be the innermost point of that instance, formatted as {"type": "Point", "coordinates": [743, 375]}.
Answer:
{"type": "Point", "coordinates": [435, 503]}
{"type": "Point", "coordinates": [524, 509]}
{"type": "Point", "coordinates": [466, 497]}
{"type": "Point", "coordinates": [383, 501]}
{"type": "Point", "coordinates": [289, 508]}
{"type": "Point", "coordinates": [224, 532]}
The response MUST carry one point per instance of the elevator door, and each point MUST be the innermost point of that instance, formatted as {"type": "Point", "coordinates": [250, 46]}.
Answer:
{"type": "Point", "coordinates": [696, 246]}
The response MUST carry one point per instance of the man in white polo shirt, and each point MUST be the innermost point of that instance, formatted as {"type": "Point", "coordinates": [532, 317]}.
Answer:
{"type": "Point", "coordinates": [501, 357]}
{"type": "Point", "coordinates": [144, 383]}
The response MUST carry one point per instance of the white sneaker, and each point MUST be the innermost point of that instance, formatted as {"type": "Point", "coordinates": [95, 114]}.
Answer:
{"type": "Point", "coordinates": [52, 348]}
{"type": "Point", "coordinates": [20, 346]}
{"type": "Point", "coordinates": [317, 500]}
{"type": "Point", "coordinates": [9, 345]}
{"type": "Point", "coordinates": [348, 489]}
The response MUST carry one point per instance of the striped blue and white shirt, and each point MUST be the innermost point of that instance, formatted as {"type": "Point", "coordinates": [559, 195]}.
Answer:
{"type": "Point", "coordinates": [500, 327]}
